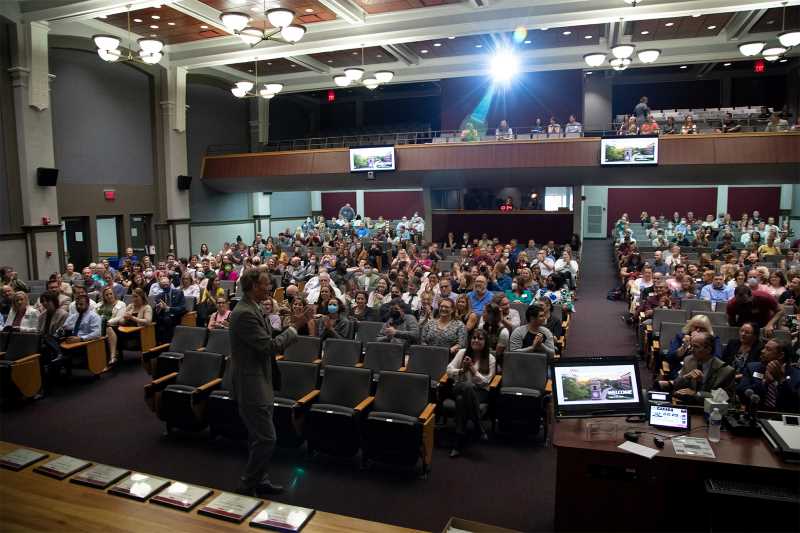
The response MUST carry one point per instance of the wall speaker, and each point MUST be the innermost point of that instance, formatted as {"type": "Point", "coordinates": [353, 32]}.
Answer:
{"type": "Point", "coordinates": [184, 183]}
{"type": "Point", "coordinates": [46, 177]}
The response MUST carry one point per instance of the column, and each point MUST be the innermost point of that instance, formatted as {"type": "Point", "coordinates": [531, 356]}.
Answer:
{"type": "Point", "coordinates": [260, 205]}
{"type": "Point", "coordinates": [722, 198]}
{"type": "Point", "coordinates": [794, 216]}
{"type": "Point", "coordinates": [259, 123]}
{"type": "Point", "coordinates": [31, 89]}
{"type": "Point", "coordinates": [316, 204]}
{"type": "Point", "coordinates": [173, 123]}
{"type": "Point", "coordinates": [360, 205]}
{"type": "Point", "coordinates": [577, 209]}
{"type": "Point", "coordinates": [597, 93]}
{"type": "Point", "coordinates": [428, 215]}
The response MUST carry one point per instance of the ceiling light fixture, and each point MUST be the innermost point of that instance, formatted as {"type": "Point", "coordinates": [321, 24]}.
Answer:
{"type": "Point", "coordinates": [726, 64]}
{"type": "Point", "coordinates": [619, 63]}
{"type": "Point", "coordinates": [423, 51]}
{"type": "Point", "coordinates": [384, 76]}
{"type": "Point", "coordinates": [669, 24]}
{"type": "Point", "coordinates": [478, 46]}
{"type": "Point", "coordinates": [712, 27]}
{"type": "Point", "coordinates": [566, 32]}
{"type": "Point", "coordinates": [623, 51]}
{"type": "Point", "coordinates": [587, 36]}
{"type": "Point", "coordinates": [752, 48]}
{"type": "Point", "coordinates": [437, 44]}
{"type": "Point", "coordinates": [788, 39]}
{"type": "Point", "coordinates": [528, 41]}
{"type": "Point", "coordinates": [645, 32]}
{"type": "Point", "coordinates": [280, 18]}
{"type": "Point", "coordinates": [684, 66]}
{"type": "Point", "coordinates": [370, 83]}
{"type": "Point", "coordinates": [150, 49]}
{"type": "Point", "coordinates": [595, 59]}
{"type": "Point", "coordinates": [354, 74]}
{"type": "Point", "coordinates": [633, 3]}
{"type": "Point", "coordinates": [244, 89]}
{"type": "Point", "coordinates": [341, 80]}
{"type": "Point", "coordinates": [649, 56]}
{"type": "Point", "coordinates": [504, 66]}
{"type": "Point", "coordinates": [774, 53]}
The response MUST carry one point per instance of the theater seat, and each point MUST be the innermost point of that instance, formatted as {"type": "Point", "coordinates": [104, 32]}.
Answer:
{"type": "Point", "coordinates": [368, 331]}
{"type": "Point", "coordinates": [333, 424]}
{"type": "Point", "coordinates": [93, 355]}
{"type": "Point", "coordinates": [341, 352]}
{"type": "Point", "coordinates": [298, 391]}
{"type": "Point", "coordinates": [521, 391]}
{"type": "Point", "coordinates": [223, 412]}
{"type": "Point", "coordinates": [399, 430]}
{"type": "Point", "coordinates": [382, 356]}
{"type": "Point", "coordinates": [183, 395]}
{"type": "Point", "coordinates": [168, 356]}
{"type": "Point", "coordinates": [219, 341]}
{"type": "Point", "coordinates": [20, 368]}
{"type": "Point", "coordinates": [305, 350]}
{"type": "Point", "coordinates": [190, 317]}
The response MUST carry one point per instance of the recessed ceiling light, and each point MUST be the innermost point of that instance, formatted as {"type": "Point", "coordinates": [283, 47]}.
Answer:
{"type": "Point", "coordinates": [309, 10]}
{"type": "Point", "coordinates": [669, 24]}
{"type": "Point", "coordinates": [545, 29]}
{"type": "Point", "coordinates": [696, 16]}
{"type": "Point", "coordinates": [712, 27]}
{"type": "Point", "coordinates": [255, 9]}
{"type": "Point", "coordinates": [203, 27]}
{"type": "Point", "coordinates": [645, 32]}
{"type": "Point", "coordinates": [587, 36]}
{"type": "Point", "coordinates": [784, 60]}
{"type": "Point", "coordinates": [155, 17]}
{"type": "Point", "coordinates": [726, 64]}
{"type": "Point", "coordinates": [451, 37]}
{"type": "Point", "coordinates": [153, 26]}
{"type": "Point", "coordinates": [527, 42]}
{"type": "Point", "coordinates": [770, 22]}
{"type": "Point", "coordinates": [589, 73]}
{"type": "Point", "coordinates": [355, 53]}
{"type": "Point", "coordinates": [170, 23]}
{"type": "Point", "coordinates": [137, 20]}
{"type": "Point", "coordinates": [567, 32]}
{"type": "Point", "coordinates": [292, 65]}
{"type": "Point", "coordinates": [378, 55]}
{"type": "Point", "coordinates": [249, 70]}
{"type": "Point", "coordinates": [684, 66]}
{"type": "Point", "coordinates": [152, 35]}
{"type": "Point", "coordinates": [103, 16]}
{"type": "Point", "coordinates": [330, 61]}
{"type": "Point", "coordinates": [478, 46]}
{"type": "Point", "coordinates": [437, 44]}
{"type": "Point", "coordinates": [269, 64]}
{"type": "Point", "coordinates": [423, 51]}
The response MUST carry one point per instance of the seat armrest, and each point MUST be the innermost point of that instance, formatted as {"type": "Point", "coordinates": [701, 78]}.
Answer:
{"type": "Point", "coordinates": [308, 398]}
{"type": "Point", "coordinates": [317, 361]}
{"type": "Point", "coordinates": [159, 348]}
{"type": "Point", "coordinates": [81, 344]}
{"type": "Point", "coordinates": [27, 359]}
{"type": "Point", "coordinates": [427, 412]}
{"type": "Point", "coordinates": [359, 365]}
{"type": "Point", "coordinates": [205, 386]}
{"type": "Point", "coordinates": [443, 378]}
{"type": "Point", "coordinates": [549, 386]}
{"type": "Point", "coordinates": [656, 346]}
{"type": "Point", "coordinates": [495, 382]}
{"type": "Point", "coordinates": [161, 382]}
{"type": "Point", "coordinates": [280, 357]}
{"type": "Point", "coordinates": [366, 402]}
{"type": "Point", "coordinates": [402, 369]}
{"type": "Point", "coordinates": [130, 329]}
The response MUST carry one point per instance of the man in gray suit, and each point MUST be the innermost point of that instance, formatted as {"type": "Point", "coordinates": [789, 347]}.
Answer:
{"type": "Point", "coordinates": [255, 372]}
{"type": "Point", "coordinates": [701, 373]}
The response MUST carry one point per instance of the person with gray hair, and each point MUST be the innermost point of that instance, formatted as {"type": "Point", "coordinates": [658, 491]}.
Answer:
{"type": "Point", "coordinates": [701, 372]}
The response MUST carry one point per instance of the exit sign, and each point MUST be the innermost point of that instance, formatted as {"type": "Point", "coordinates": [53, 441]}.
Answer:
{"type": "Point", "coordinates": [759, 66]}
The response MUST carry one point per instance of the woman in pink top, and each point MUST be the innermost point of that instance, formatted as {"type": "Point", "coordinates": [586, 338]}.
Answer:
{"type": "Point", "coordinates": [219, 319]}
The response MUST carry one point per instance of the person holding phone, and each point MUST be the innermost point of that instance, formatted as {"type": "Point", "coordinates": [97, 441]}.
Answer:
{"type": "Point", "coordinates": [472, 370]}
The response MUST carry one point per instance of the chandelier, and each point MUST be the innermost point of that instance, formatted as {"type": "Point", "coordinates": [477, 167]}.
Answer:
{"type": "Point", "coordinates": [355, 74]}
{"type": "Point", "coordinates": [280, 18]}
{"type": "Point", "coordinates": [788, 39]}
{"type": "Point", "coordinates": [622, 54]}
{"type": "Point", "coordinates": [149, 48]}
{"type": "Point", "coordinates": [244, 89]}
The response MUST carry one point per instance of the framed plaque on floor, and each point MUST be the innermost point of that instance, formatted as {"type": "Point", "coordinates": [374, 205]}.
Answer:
{"type": "Point", "coordinates": [282, 517]}
{"type": "Point", "coordinates": [231, 507]}
{"type": "Point", "coordinates": [62, 467]}
{"type": "Point", "coordinates": [20, 458]}
{"type": "Point", "coordinates": [138, 486]}
{"type": "Point", "coordinates": [100, 476]}
{"type": "Point", "coordinates": [181, 496]}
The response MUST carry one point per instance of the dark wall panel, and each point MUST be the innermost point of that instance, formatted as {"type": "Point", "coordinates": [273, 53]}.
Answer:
{"type": "Point", "coordinates": [393, 204]}
{"type": "Point", "coordinates": [701, 201]}
{"type": "Point", "coordinates": [532, 95]}
{"type": "Point", "coordinates": [522, 226]}
{"type": "Point", "coordinates": [333, 201]}
{"type": "Point", "coordinates": [672, 95]}
{"type": "Point", "coordinates": [102, 125]}
{"type": "Point", "coordinates": [766, 200]}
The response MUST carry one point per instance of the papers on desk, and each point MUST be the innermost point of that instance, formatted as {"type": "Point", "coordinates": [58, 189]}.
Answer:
{"type": "Point", "coordinates": [138, 486]}
{"type": "Point", "coordinates": [62, 467]}
{"type": "Point", "coordinates": [20, 458]}
{"type": "Point", "coordinates": [181, 495]}
{"type": "Point", "coordinates": [638, 449]}
{"type": "Point", "coordinates": [282, 517]}
{"type": "Point", "coordinates": [100, 476]}
{"type": "Point", "coordinates": [693, 447]}
{"type": "Point", "coordinates": [230, 507]}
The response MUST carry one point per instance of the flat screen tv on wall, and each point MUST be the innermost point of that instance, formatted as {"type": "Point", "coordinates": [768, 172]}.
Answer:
{"type": "Point", "coordinates": [375, 158]}
{"type": "Point", "coordinates": [626, 151]}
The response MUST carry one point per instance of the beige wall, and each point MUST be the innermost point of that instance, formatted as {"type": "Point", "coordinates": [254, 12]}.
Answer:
{"type": "Point", "coordinates": [14, 252]}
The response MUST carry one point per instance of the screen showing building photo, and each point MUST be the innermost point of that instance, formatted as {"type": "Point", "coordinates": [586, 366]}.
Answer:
{"type": "Point", "coordinates": [629, 151]}
{"type": "Point", "coordinates": [596, 385]}
{"type": "Point", "coordinates": [376, 158]}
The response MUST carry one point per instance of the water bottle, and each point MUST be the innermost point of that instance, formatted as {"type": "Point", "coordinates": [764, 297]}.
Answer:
{"type": "Point", "coordinates": [714, 425]}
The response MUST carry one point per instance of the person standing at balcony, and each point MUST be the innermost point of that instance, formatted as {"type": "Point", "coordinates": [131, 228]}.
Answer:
{"type": "Point", "coordinates": [641, 111]}
{"type": "Point", "coordinates": [503, 133]}
{"type": "Point", "coordinates": [347, 213]}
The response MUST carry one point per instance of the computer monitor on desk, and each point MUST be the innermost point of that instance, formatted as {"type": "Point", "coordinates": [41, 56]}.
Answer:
{"type": "Point", "coordinates": [597, 386]}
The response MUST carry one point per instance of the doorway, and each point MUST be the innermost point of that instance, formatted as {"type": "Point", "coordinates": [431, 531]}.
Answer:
{"type": "Point", "coordinates": [77, 236]}
{"type": "Point", "coordinates": [140, 234]}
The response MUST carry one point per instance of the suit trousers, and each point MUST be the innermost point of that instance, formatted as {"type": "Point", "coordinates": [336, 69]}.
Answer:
{"type": "Point", "coordinates": [261, 439]}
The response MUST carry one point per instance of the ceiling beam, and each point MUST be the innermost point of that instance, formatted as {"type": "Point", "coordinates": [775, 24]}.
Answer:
{"type": "Point", "coordinates": [311, 64]}
{"type": "Point", "coordinates": [87, 9]}
{"type": "Point", "coordinates": [740, 25]}
{"type": "Point", "coordinates": [403, 53]}
{"type": "Point", "coordinates": [346, 10]}
{"type": "Point", "coordinates": [200, 11]}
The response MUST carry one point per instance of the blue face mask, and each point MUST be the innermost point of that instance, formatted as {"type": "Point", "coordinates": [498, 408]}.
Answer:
{"type": "Point", "coordinates": [333, 309]}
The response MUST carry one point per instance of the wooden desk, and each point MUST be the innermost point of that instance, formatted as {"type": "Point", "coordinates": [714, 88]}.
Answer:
{"type": "Point", "coordinates": [34, 502]}
{"type": "Point", "coordinates": [600, 487]}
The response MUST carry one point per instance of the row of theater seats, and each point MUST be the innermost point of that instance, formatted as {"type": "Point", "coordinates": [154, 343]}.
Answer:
{"type": "Point", "coordinates": [339, 403]}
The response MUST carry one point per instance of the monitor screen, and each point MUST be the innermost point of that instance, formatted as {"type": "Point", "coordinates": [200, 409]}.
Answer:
{"type": "Point", "coordinates": [375, 158]}
{"type": "Point", "coordinates": [669, 417]}
{"type": "Point", "coordinates": [597, 386]}
{"type": "Point", "coordinates": [624, 151]}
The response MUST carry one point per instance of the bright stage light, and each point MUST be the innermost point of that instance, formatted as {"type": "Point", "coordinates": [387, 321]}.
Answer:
{"type": "Point", "coordinates": [504, 66]}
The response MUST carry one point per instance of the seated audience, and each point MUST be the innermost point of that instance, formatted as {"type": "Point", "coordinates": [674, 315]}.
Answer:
{"type": "Point", "coordinates": [138, 312]}
{"type": "Point", "coordinates": [650, 126]}
{"type": "Point", "coordinates": [773, 379]}
{"type": "Point", "coordinates": [170, 307]}
{"type": "Point", "coordinates": [503, 132]}
{"type": "Point", "coordinates": [573, 126]}
{"type": "Point", "coordinates": [9, 276]}
{"type": "Point", "coordinates": [84, 324]}
{"type": "Point", "coordinates": [533, 336]}
{"type": "Point", "coordinates": [744, 350]}
{"type": "Point", "coordinates": [553, 128]}
{"type": "Point", "coordinates": [445, 330]}
{"type": "Point", "coordinates": [401, 327]}
{"type": "Point", "coordinates": [716, 291]}
{"type": "Point", "coordinates": [219, 319]}
{"type": "Point", "coordinates": [701, 372]}
{"type": "Point", "coordinates": [472, 370]}
{"type": "Point", "coordinates": [776, 124]}
{"type": "Point", "coordinates": [334, 324]}
{"type": "Point", "coordinates": [681, 345]}
{"type": "Point", "coordinates": [479, 297]}
{"type": "Point", "coordinates": [51, 320]}
{"type": "Point", "coordinates": [469, 133]}
{"type": "Point", "coordinates": [112, 313]}
{"type": "Point", "coordinates": [22, 316]}
{"type": "Point", "coordinates": [729, 125]}
{"type": "Point", "coordinates": [360, 311]}
{"type": "Point", "coordinates": [689, 127]}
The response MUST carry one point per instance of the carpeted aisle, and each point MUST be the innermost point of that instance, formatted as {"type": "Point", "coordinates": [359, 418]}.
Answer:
{"type": "Point", "coordinates": [507, 483]}
{"type": "Point", "coordinates": [597, 328]}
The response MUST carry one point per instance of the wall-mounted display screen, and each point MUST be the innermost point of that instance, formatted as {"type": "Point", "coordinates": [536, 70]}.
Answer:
{"type": "Point", "coordinates": [624, 151]}
{"type": "Point", "coordinates": [372, 159]}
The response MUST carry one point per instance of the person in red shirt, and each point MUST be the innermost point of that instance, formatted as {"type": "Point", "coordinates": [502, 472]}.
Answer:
{"type": "Point", "coordinates": [758, 307]}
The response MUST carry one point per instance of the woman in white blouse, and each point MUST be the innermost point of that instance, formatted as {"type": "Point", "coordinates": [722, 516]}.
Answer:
{"type": "Point", "coordinates": [112, 311]}
{"type": "Point", "coordinates": [189, 287]}
{"type": "Point", "coordinates": [472, 370]}
{"type": "Point", "coordinates": [566, 264]}
{"type": "Point", "coordinates": [22, 316]}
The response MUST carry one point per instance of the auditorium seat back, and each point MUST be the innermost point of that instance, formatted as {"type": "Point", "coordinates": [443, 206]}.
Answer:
{"type": "Point", "coordinates": [401, 393]}
{"type": "Point", "coordinates": [344, 385]}
{"type": "Point", "coordinates": [305, 350]}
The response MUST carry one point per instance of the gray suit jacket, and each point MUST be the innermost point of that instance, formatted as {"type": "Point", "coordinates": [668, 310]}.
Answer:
{"type": "Point", "coordinates": [720, 376]}
{"type": "Point", "coordinates": [252, 352]}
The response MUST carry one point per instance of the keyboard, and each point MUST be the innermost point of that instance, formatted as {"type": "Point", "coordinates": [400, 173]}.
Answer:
{"type": "Point", "coordinates": [728, 487]}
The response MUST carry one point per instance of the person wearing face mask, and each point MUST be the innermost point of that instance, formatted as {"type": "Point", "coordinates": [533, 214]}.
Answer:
{"type": "Point", "coordinates": [401, 327]}
{"type": "Point", "coordinates": [334, 324]}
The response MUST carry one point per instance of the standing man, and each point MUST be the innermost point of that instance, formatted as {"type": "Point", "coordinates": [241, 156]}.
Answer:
{"type": "Point", "coordinates": [256, 375]}
{"type": "Point", "coordinates": [347, 212]}
{"type": "Point", "coordinates": [641, 111]}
